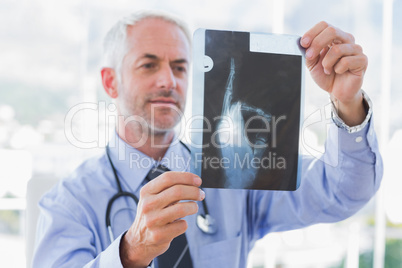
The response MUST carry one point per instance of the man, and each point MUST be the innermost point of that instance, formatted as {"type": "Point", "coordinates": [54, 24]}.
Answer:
{"type": "Point", "coordinates": [148, 59]}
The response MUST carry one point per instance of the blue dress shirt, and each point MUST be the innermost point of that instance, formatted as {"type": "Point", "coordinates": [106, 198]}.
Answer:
{"type": "Point", "coordinates": [72, 231]}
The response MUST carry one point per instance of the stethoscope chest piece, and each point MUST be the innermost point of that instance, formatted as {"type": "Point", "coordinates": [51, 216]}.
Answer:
{"type": "Point", "coordinates": [207, 224]}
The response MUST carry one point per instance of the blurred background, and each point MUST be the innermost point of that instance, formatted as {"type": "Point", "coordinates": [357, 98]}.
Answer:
{"type": "Point", "coordinates": [50, 54]}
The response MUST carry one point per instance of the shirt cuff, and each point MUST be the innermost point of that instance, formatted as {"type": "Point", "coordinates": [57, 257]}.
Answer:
{"type": "Point", "coordinates": [111, 256]}
{"type": "Point", "coordinates": [341, 124]}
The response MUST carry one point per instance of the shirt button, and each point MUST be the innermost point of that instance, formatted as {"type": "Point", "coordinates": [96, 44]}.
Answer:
{"type": "Point", "coordinates": [359, 139]}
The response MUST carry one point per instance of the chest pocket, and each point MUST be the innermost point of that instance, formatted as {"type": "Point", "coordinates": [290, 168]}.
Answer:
{"type": "Point", "coordinates": [222, 254]}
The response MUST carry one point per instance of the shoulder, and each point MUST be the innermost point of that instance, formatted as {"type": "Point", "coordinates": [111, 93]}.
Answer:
{"type": "Point", "coordinates": [93, 171]}
{"type": "Point", "coordinates": [82, 184]}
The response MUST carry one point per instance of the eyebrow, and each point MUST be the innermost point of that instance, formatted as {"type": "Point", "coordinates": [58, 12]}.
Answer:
{"type": "Point", "coordinates": [150, 56]}
{"type": "Point", "coordinates": [154, 57]}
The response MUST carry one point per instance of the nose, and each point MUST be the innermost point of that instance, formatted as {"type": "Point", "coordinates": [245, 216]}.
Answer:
{"type": "Point", "coordinates": [166, 79]}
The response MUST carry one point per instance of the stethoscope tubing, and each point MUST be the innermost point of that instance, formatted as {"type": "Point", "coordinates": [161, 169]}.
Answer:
{"type": "Point", "coordinates": [204, 222]}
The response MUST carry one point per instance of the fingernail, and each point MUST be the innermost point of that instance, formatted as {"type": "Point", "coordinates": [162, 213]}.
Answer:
{"type": "Point", "coordinates": [305, 41]}
{"type": "Point", "coordinates": [202, 194]}
{"type": "Point", "coordinates": [327, 71]}
{"type": "Point", "coordinates": [197, 180]}
{"type": "Point", "coordinates": [309, 53]}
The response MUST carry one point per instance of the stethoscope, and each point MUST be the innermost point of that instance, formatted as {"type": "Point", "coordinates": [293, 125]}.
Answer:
{"type": "Point", "coordinates": [205, 222]}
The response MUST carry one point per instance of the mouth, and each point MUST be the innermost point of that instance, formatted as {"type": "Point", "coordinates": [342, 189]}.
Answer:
{"type": "Point", "coordinates": [163, 102]}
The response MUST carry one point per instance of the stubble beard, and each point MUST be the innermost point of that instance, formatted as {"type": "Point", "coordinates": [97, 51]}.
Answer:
{"type": "Point", "coordinates": [148, 118]}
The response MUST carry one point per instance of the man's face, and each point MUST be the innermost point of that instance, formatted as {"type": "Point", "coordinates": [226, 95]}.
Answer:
{"type": "Point", "coordinates": [154, 74]}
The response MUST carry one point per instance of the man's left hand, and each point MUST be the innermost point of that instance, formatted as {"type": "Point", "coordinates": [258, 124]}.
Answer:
{"type": "Point", "coordinates": [337, 65]}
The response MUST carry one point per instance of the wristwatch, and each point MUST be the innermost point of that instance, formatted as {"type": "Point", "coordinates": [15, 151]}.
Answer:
{"type": "Point", "coordinates": [341, 124]}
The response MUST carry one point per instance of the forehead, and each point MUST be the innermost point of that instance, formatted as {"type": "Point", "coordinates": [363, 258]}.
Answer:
{"type": "Point", "coordinates": [158, 37]}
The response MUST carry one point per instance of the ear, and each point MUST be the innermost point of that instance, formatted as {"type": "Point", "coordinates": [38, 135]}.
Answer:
{"type": "Point", "coordinates": [109, 81]}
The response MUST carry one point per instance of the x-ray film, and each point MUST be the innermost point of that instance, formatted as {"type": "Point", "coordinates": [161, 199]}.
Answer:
{"type": "Point", "coordinates": [247, 109]}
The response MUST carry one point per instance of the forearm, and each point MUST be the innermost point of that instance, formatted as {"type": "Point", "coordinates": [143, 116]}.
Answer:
{"type": "Point", "coordinates": [333, 187]}
{"type": "Point", "coordinates": [55, 249]}
{"type": "Point", "coordinates": [354, 162]}
{"type": "Point", "coordinates": [353, 112]}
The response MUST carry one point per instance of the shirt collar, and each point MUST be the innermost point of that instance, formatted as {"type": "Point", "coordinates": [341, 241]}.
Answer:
{"type": "Point", "coordinates": [132, 166]}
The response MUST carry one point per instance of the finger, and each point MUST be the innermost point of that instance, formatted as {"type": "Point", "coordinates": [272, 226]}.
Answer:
{"type": "Point", "coordinates": [319, 28]}
{"type": "Point", "coordinates": [178, 193]}
{"type": "Point", "coordinates": [177, 227]}
{"type": "Point", "coordinates": [311, 64]}
{"type": "Point", "coordinates": [312, 33]}
{"type": "Point", "coordinates": [336, 52]}
{"type": "Point", "coordinates": [177, 211]}
{"type": "Point", "coordinates": [327, 37]}
{"type": "Point", "coordinates": [355, 64]}
{"type": "Point", "coordinates": [157, 218]}
{"type": "Point", "coordinates": [168, 179]}
{"type": "Point", "coordinates": [157, 202]}
{"type": "Point", "coordinates": [167, 232]}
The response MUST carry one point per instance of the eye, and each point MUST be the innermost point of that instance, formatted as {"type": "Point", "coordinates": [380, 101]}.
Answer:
{"type": "Point", "coordinates": [150, 65]}
{"type": "Point", "coordinates": [180, 69]}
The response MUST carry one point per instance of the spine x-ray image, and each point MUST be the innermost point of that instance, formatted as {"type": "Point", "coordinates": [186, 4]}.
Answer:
{"type": "Point", "coordinates": [251, 109]}
{"type": "Point", "coordinates": [232, 139]}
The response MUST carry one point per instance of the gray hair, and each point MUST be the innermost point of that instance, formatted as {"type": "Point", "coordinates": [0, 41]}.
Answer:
{"type": "Point", "coordinates": [115, 47]}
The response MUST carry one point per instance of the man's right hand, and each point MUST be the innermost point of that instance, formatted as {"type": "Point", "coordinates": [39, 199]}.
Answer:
{"type": "Point", "coordinates": [159, 216]}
